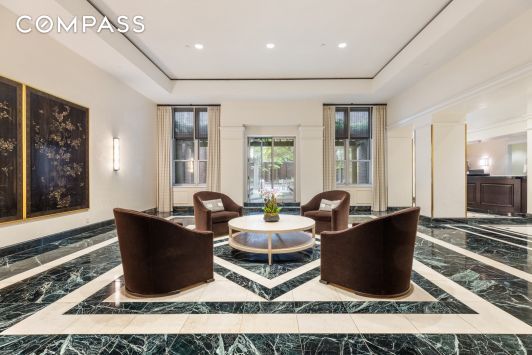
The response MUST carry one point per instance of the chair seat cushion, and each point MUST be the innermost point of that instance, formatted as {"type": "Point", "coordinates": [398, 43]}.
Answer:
{"type": "Point", "coordinates": [319, 215]}
{"type": "Point", "coordinates": [223, 216]}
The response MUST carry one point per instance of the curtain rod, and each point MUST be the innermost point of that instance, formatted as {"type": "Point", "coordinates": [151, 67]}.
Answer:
{"type": "Point", "coordinates": [189, 105]}
{"type": "Point", "coordinates": [365, 105]}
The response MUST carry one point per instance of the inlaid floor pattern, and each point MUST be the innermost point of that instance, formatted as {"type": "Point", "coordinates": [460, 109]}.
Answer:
{"type": "Point", "coordinates": [471, 295]}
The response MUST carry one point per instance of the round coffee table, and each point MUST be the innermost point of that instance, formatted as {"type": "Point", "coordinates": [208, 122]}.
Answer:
{"type": "Point", "coordinates": [282, 237]}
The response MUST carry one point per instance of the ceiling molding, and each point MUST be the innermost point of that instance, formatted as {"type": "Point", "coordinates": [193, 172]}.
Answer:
{"type": "Point", "coordinates": [504, 122]}
{"type": "Point", "coordinates": [413, 37]}
{"type": "Point", "coordinates": [130, 40]}
{"type": "Point", "coordinates": [158, 66]}
{"type": "Point", "coordinates": [500, 81]}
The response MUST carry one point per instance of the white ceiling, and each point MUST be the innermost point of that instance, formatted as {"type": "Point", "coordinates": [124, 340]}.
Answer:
{"type": "Point", "coordinates": [305, 32]}
{"type": "Point", "coordinates": [235, 33]}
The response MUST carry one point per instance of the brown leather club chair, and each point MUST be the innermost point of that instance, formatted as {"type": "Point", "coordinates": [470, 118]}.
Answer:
{"type": "Point", "coordinates": [335, 220]}
{"type": "Point", "coordinates": [160, 257]}
{"type": "Point", "coordinates": [206, 220]}
{"type": "Point", "coordinates": [373, 258]}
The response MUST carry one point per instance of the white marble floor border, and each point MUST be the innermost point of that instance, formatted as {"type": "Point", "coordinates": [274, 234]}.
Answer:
{"type": "Point", "coordinates": [490, 319]}
{"type": "Point", "coordinates": [269, 283]}
{"type": "Point", "coordinates": [520, 238]}
{"type": "Point", "coordinates": [503, 267]}
{"type": "Point", "coordinates": [516, 228]}
{"type": "Point", "coordinates": [487, 237]}
{"type": "Point", "coordinates": [506, 230]}
{"type": "Point", "coordinates": [47, 266]}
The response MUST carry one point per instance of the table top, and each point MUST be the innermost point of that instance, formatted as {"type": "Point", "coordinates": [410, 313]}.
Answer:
{"type": "Point", "coordinates": [256, 223]}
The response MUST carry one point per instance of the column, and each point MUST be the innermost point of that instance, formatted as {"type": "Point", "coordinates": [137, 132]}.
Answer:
{"type": "Point", "coordinates": [423, 169]}
{"type": "Point", "coordinates": [440, 169]}
{"type": "Point", "coordinates": [232, 162]}
{"type": "Point", "coordinates": [529, 150]}
{"type": "Point", "coordinates": [449, 176]}
{"type": "Point", "coordinates": [400, 167]}
{"type": "Point", "coordinates": [310, 156]}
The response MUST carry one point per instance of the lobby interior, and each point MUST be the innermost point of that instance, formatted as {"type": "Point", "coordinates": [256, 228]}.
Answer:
{"type": "Point", "coordinates": [134, 167]}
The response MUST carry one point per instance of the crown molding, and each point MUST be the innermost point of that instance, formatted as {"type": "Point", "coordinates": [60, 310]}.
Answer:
{"type": "Point", "coordinates": [495, 83]}
{"type": "Point", "coordinates": [157, 63]}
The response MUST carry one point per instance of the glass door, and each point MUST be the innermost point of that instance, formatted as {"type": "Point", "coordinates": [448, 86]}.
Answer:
{"type": "Point", "coordinates": [271, 167]}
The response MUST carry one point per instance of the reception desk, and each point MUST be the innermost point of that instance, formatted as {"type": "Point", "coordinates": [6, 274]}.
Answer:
{"type": "Point", "coordinates": [497, 194]}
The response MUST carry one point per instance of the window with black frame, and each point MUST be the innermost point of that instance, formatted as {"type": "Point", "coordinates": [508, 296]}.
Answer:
{"type": "Point", "coordinates": [353, 145]}
{"type": "Point", "coordinates": [190, 145]}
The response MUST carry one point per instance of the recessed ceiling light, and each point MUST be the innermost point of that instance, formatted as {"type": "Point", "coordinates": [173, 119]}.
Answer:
{"type": "Point", "coordinates": [270, 45]}
{"type": "Point", "coordinates": [198, 46]}
{"type": "Point", "coordinates": [342, 45]}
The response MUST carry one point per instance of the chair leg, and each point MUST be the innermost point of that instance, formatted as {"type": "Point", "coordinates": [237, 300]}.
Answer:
{"type": "Point", "coordinates": [324, 282]}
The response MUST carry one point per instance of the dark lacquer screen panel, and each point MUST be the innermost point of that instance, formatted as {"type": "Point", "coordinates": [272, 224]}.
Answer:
{"type": "Point", "coordinates": [10, 150]}
{"type": "Point", "coordinates": [58, 155]}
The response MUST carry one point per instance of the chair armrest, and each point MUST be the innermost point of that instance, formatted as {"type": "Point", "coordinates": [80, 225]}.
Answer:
{"type": "Point", "coordinates": [190, 250]}
{"type": "Point", "coordinates": [178, 223]}
{"type": "Point", "coordinates": [357, 249]}
{"type": "Point", "coordinates": [202, 236]}
{"type": "Point", "coordinates": [203, 218]}
{"type": "Point", "coordinates": [230, 205]}
{"type": "Point", "coordinates": [313, 204]}
{"type": "Point", "coordinates": [340, 215]}
{"type": "Point", "coordinates": [198, 239]}
{"type": "Point", "coordinates": [306, 207]}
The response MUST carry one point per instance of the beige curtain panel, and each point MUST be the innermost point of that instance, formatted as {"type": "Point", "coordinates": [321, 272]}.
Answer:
{"type": "Point", "coordinates": [213, 152]}
{"type": "Point", "coordinates": [164, 159]}
{"type": "Point", "coordinates": [329, 159]}
{"type": "Point", "coordinates": [380, 178]}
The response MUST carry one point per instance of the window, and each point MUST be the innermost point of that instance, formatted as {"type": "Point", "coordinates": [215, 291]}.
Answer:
{"type": "Point", "coordinates": [353, 145]}
{"type": "Point", "coordinates": [190, 145]}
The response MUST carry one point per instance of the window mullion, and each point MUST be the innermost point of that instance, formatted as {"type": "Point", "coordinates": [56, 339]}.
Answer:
{"type": "Point", "coordinates": [346, 162]}
{"type": "Point", "coordinates": [348, 180]}
{"type": "Point", "coordinates": [195, 163]}
{"type": "Point", "coordinates": [196, 178]}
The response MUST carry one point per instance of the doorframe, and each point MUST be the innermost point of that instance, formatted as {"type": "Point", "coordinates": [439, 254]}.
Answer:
{"type": "Point", "coordinates": [273, 136]}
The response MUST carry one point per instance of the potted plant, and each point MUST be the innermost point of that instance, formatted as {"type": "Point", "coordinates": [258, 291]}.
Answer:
{"type": "Point", "coordinates": [271, 209]}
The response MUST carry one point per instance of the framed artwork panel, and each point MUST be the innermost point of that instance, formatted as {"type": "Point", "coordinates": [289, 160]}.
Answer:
{"type": "Point", "coordinates": [57, 140]}
{"type": "Point", "coordinates": [11, 151]}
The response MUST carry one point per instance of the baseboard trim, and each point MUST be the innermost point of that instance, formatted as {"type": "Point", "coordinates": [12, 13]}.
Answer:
{"type": "Point", "coordinates": [52, 238]}
{"type": "Point", "coordinates": [395, 209]}
{"type": "Point", "coordinates": [189, 210]}
{"type": "Point", "coordinates": [355, 209]}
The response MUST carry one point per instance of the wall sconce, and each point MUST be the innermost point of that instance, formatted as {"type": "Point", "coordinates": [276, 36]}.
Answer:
{"type": "Point", "coordinates": [484, 162]}
{"type": "Point", "coordinates": [116, 154]}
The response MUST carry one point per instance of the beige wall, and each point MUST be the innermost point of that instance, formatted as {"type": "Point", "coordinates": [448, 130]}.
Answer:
{"type": "Point", "coordinates": [518, 158]}
{"type": "Point", "coordinates": [115, 110]}
{"type": "Point", "coordinates": [299, 119]}
{"type": "Point", "coordinates": [502, 161]}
